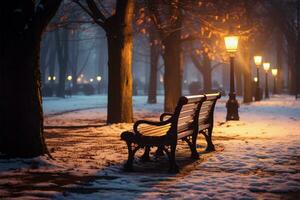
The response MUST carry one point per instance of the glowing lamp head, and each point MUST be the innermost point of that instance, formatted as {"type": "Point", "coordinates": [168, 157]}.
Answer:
{"type": "Point", "coordinates": [91, 80]}
{"type": "Point", "coordinates": [54, 78]}
{"type": "Point", "coordinates": [98, 78]}
{"type": "Point", "coordinates": [257, 60]}
{"type": "Point", "coordinates": [49, 78]}
{"type": "Point", "coordinates": [266, 66]}
{"type": "Point", "coordinates": [69, 78]}
{"type": "Point", "coordinates": [255, 79]}
{"type": "Point", "coordinates": [274, 72]}
{"type": "Point", "coordinates": [231, 43]}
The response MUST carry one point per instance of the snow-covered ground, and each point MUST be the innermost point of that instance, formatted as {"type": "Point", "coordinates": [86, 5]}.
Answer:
{"type": "Point", "coordinates": [257, 157]}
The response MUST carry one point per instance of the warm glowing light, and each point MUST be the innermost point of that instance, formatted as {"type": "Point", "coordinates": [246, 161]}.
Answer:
{"type": "Point", "coordinates": [49, 78]}
{"type": "Point", "coordinates": [91, 80]}
{"type": "Point", "coordinates": [257, 60]}
{"type": "Point", "coordinates": [161, 79]}
{"type": "Point", "coordinates": [99, 78]}
{"type": "Point", "coordinates": [69, 78]}
{"type": "Point", "coordinates": [266, 66]}
{"type": "Point", "coordinates": [231, 43]}
{"type": "Point", "coordinates": [255, 79]}
{"type": "Point", "coordinates": [274, 72]}
{"type": "Point", "coordinates": [78, 79]}
{"type": "Point", "coordinates": [81, 75]}
{"type": "Point", "coordinates": [54, 78]}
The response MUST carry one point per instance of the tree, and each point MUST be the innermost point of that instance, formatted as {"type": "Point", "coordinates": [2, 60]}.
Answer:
{"type": "Point", "coordinates": [118, 28]}
{"type": "Point", "coordinates": [170, 35]}
{"type": "Point", "coordinates": [154, 58]}
{"type": "Point", "coordinates": [62, 48]}
{"type": "Point", "coordinates": [21, 118]}
{"type": "Point", "coordinates": [205, 67]}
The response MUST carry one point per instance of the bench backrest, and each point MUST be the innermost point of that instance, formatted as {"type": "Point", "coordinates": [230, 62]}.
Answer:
{"type": "Point", "coordinates": [185, 115]}
{"type": "Point", "coordinates": [206, 114]}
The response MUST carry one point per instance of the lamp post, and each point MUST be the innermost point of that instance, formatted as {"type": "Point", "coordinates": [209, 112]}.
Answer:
{"type": "Point", "coordinates": [232, 105]}
{"type": "Point", "coordinates": [99, 79]}
{"type": "Point", "coordinates": [266, 66]}
{"type": "Point", "coordinates": [274, 73]}
{"type": "Point", "coordinates": [69, 78]}
{"type": "Point", "coordinates": [257, 61]}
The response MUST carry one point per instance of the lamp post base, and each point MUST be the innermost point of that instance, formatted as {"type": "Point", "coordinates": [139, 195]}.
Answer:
{"type": "Point", "coordinates": [232, 106]}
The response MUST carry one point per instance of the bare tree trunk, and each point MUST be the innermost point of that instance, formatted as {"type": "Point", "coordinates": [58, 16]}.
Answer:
{"type": "Point", "coordinates": [119, 40]}
{"type": "Point", "coordinates": [239, 83]}
{"type": "Point", "coordinates": [247, 75]}
{"type": "Point", "coordinates": [297, 65]}
{"type": "Point", "coordinates": [279, 61]}
{"type": "Point", "coordinates": [154, 58]}
{"type": "Point", "coordinates": [52, 61]}
{"type": "Point", "coordinates": [22, 123]}
{"type": "Point", "coordinates": [205, 69]}
{"type": "Point", "coordinates": [61, 38]}
{"type": "Point", "coordinates": [207, 73]}
{"type": "Point", "coordinates": [74, 53]}
{"type": "Point", "coordinates": [173, 70]}
{"type": "Point", "coordinates": [291, 68]}
{"type": "Point", "coordinates": [44, 57]}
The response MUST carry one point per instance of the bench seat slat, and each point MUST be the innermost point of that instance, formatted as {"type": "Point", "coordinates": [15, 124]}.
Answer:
{"type": "Point", "coordinates": [188, 107]}
{"type": "Point", "coordinates": [153, 129]}
{"type": "Point", "coordinates": [204, 113]}
{"type": "Point", "coordinates": [185, 119]}
{"type": "Point", "coordinates": [203, 126]}
{"type": "Point", "coordinates": [184, 134]}
{"type": "Point", "coordinates": [187, 113]}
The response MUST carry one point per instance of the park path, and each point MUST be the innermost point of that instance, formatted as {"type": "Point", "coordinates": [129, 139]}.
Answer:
{"type": "Point", "coordinates": [256, 158]}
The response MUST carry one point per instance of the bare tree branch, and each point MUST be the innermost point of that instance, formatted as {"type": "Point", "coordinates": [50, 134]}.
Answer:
{"type": "Point", "coordinates": [100, 23]}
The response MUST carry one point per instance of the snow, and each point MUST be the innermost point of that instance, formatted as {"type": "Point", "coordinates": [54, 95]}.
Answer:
{"type": "Point", "coordinates": [256, 158]}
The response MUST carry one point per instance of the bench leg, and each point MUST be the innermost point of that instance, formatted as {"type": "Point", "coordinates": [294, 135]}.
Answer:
{"type": "Point", "coordinates": [145, 157]}
{"type": "Point", "coordinates": [210, 146]}
{"type": "Point", "coordinates": [173, 166]}
{"type": "Point", "coordinates": [160, 151]}
{"type": "Point", "coordinates": [131, 152]}
{"type": "Point", "coordinates": [195, 153]}
{"type": "Point", "coordinates": [192, 145]}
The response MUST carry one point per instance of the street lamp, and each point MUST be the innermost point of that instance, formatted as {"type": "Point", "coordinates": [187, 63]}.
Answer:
{"type": "Point", "coordinates": [274, 73]}
{"type": "Point", "coordinates": [257, 61]}
{"type": "Point", "coordinates": [231, 44]}
{"type": "Point", "coordinates": [255, 79]}
{"type": "Point", "coordinates": [69, 78]}
{"type": "Point", "coordinates": [266, 66]}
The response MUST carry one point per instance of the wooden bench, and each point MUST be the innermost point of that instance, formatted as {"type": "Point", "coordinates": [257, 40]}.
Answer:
{"type": "Point", "coordinates": [192, 115]}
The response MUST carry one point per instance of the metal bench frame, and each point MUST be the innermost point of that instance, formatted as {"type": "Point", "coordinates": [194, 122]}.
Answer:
{"type": "Point", "coordinates": [201, 121]}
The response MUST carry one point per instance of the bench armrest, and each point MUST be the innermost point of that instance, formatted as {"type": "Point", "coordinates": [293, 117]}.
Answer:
{"type": "Point", "coordinates": [166, 114]}
{"type": "Point", "coordinates": [139, 122]}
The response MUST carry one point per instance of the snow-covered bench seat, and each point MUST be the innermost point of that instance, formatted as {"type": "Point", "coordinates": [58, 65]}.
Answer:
{"type": "Point", "coordinates": [192, 115]}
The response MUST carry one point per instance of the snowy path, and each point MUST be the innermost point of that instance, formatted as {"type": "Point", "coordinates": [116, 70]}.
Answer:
{"type": "Point", "coordinates": [257, 157]}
